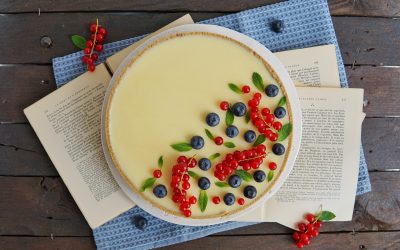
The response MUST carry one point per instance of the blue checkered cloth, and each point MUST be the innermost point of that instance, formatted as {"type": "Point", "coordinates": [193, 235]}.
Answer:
{"type": "Point", "coordinates": [307, 23]}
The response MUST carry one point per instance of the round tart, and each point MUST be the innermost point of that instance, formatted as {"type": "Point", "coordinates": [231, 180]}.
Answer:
{"type": "Point", "coordinates": [198, 114]}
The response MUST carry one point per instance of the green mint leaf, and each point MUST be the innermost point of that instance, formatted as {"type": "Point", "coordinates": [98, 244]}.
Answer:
{"type": "Point", "coordinates": [247, 117]}
{"type": "Point", "coordinates": [282, 101]}
{"type": "Point", "coordinates": [284, 132]}
{"type": "Point", "coordinates": [221, 184]}
{"type": "Point", "coordinates": [148, 183]}
{"type": "Point", "coordinates": [79, 41]}
{"type": "Point", "coordinates": [194, 175]}
{"type": "Point", "coordinates": [235, 88]}
{"type": "Point", "coordinates": [229, 144]}
{"type": "Point", "coordinates": [214, 156]}
{"type": "Point", "coordinates": [326, 216]}
{"type": "Point", "coordinates": [209, 134]}
{"type": "Point", "coordinates": [229, 117]}
{"type": "Point", "coordinates": [203, 200]}
{"type": "Point", "coordinates": [182, 146]}
{"type": "Point", "coordinates": [160, 162]}
{"type": "Point", "coordinates": [270, 176]}
{"type": "Point", "coordinates": [260, 139]}
{"type": "Point", "coordinates": [244, 175]}
{"type": "Point", "coordinates": [258, 81]}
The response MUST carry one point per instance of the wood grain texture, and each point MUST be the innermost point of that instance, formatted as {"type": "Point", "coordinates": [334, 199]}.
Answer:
{"type": "Point", "coordinates": [22, 85]}
{"type": "Point", "coordinates": [386, 8]}
{"type": "Point", "coordinates": [362, 40]}
{"type": "Point", "coordinates": [45, 243]}
{"type": "Point", "coordinates": [38, 206]}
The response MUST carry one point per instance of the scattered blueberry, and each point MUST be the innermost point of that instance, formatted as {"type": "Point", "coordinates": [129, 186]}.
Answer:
{"type": "Point", "coordinates": [229, 199]}
{"type": "Point", "coordinates": [277, 26]}
{"type": "Point", "coordinates": [232, 131]}
{"type": "Point", "coordinates": [160, 191]}
{"type": "Point", "coordinates": [280, 112]}
{"type": "Point", "coordinates": [239, 109]}
{"type": "Point", "coordinates": [278, 149]}
{"type": "Point", "coordinates": [140, 222]}
{"type": "Point", "coordinates": [250, 192]}
{"type": "Point", "coordinates": [250, 136]}
{"type": "Point", "coordinates": [271, 90]}
{"type": "Point", "coordinates": [234, 181]}
{"type": "Point", "coordinates": [197, 142]}
{"type": "Point", "coordinates": [212, 119]}
{"type": "Point", "coordinates": [204, 183]}
{"type": "Point", "coordinates": [259, 176]}
{"type": "Point", "coordinates": [204, 164]}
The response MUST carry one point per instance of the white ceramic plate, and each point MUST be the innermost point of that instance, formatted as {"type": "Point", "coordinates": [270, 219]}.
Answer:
{"type": "Point", "coordinates": [291, 94]}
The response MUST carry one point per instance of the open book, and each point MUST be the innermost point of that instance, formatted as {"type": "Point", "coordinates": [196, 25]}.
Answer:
{"type": "Point", "coordinates": [67, 123]}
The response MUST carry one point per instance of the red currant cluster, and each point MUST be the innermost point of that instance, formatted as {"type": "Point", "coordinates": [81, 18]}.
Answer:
{"type": "Point", "coordinates": [247, 159]}
{"type": "Point", "coordinates": [180, 183]}
{"type": "Point", "coordinates": [263, 120]}
{"type": "Point", "coordinates": [307, 231]}
{"type": "Point", "coordinates": [94, 44]}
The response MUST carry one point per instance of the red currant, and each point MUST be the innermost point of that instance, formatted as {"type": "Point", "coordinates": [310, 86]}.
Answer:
{"type": "Point", "coordinates": [252, 104]}
{"type": "Point", "coordinates": [192, 163]}
{"type": "Point", "coordinates": [192, 200]}
{"type": "Point", "coordinates": [246, 89]}
{"type": "Point", "coordinates": [296, 236]}
{"type": "Point", "coordinates": [187, 213]}
{"type": "Point", "coordinates": [314, 233]}
{"type": "Point", "coordinates": [89, 44]}
{"type": "Point", "coordinates": [273, 166]}
{"type": "Point", "coordinates": [318, 224]}
{"type": "Point", "coordinates": [304, 237]}
{"type": "Point", "coordinates": [269, 118]}
{"type": "Point", "coordinates": [87, 51]}
{"type": "Point", "coordinates": [273, 137]}
{"type": "Point", "coordinates": [310, 227]}
{"type": "Point", "coordinates": [102, 31]}
{"type": "Point", "coordinates": [93, 27]}
{"type": "Point", "coordinates": [224, 105]}
{"type": "Point", "coordinates": [241, 201]}
{"type": "Point", "coordinates": [299, 245]}
{"type": "Point", "coordinates": [218, 140]}
{"type": "Point", "coordinates": [185, 185]}
{"type": "Point", "coordinates": [246, 166]}
{"type": "Point", "coordinates": [94, 57]}
{"type": "Point", "coordinates": [310, 218]}
{"type": "Point", "coordinates": [176, 179]}
{"type": "Point", "coordinates": [265, 111]}
{"type": "Point", "coordinates": [181, 159]}
{"type": "Point", "coordinates": [91, 67]}
{"type": "Point", "coordinates": [216, 200]}
{"type": "Point", "coordinates": [85, 59]}
{"type": "Point", "coordinates": [98, 47]}
{"type": "Point", "coordinates": [301, 227]}
{"type": "Point", "coordinates": [257, 96]}
{"type": "Point", "coordinates": [157, 173]}
{"type": "Point", "coordinates": [185, 177]}
{"type": "Point", "coordinates": [99, 38]}
{"type": "Point", "coordinates": [277, 125]}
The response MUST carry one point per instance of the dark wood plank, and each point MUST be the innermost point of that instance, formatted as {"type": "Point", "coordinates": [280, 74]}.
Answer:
{"type": "Point", "coordinates": [387, 8]}
{"type": "Point", "coordinates": [370, 241]}
{"type": "Point", "coordinates": [368, 40]}
{"type": "Point", "coordinates": [363, 40]}
{"type": "Point", "coordinates": [35, 206]}
{"type": "Point", "coordinates": [39, 206]}
{"type": "Point", "coordinates": [22, 85]}
{"type": "Point", "coordinates": [44, 243]}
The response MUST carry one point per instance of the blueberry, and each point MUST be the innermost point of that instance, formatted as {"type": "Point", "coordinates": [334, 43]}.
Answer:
{"type": "Point", "coordinates": [234, 181]}
{"type": "Point", "coordinates": [232, 131]}
{"type": "Point", "coordinates": [271, 90]}
{"type": "Point", "coordinates": [278, 149]}
{"type": "Point", "coordinates": [277, 26]}
{"type": "Point", "coordinates": [197, 142]}
{"type": "Point", "coordinates": [250, 192]}
{"type": "Point", "coordinates": [250, 136]}
{"type": "Point", "coordinates": [204, 183]}
{"type": "Point", "coordinates": [140, 222]}
{"type": "Point", "coordinates": [204, 164]}
{"type": "Point", "coordinates": [229, 199]}
{"type": "Point", "coordinates": [212, 119]}
{"type": "Point", "coordinates": [239, 109]}
{"type": "Point", "coordinates": [259, 176]}
{"type": "Point", "coordinates": [160, 191]}
{"type": "Point", "coordinates": [280, 112]}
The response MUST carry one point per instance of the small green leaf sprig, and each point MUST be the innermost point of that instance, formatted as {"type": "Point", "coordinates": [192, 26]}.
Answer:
{"type": "Point", "coordinates": [149, 182]}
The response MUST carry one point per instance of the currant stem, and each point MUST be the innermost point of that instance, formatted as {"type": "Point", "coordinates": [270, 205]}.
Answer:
{"type": "Point", "coordinates": [269, 126]}
{"type": "Point", "coordinates": [259, 156]}
{"type": "Point", "coordinates": [95, 38]}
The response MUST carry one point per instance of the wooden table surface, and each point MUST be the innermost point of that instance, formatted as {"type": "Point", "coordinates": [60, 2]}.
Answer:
{"type": "Point", "coordinates": [36, 209]}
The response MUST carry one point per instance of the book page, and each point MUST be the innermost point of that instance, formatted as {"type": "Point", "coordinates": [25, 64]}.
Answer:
{"type": "Point", "coordinates": [312, 67]}
{"type": "Point", "coordinates": [67, 123]}
{"type": "Point", "coordinates": [326, 169]}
